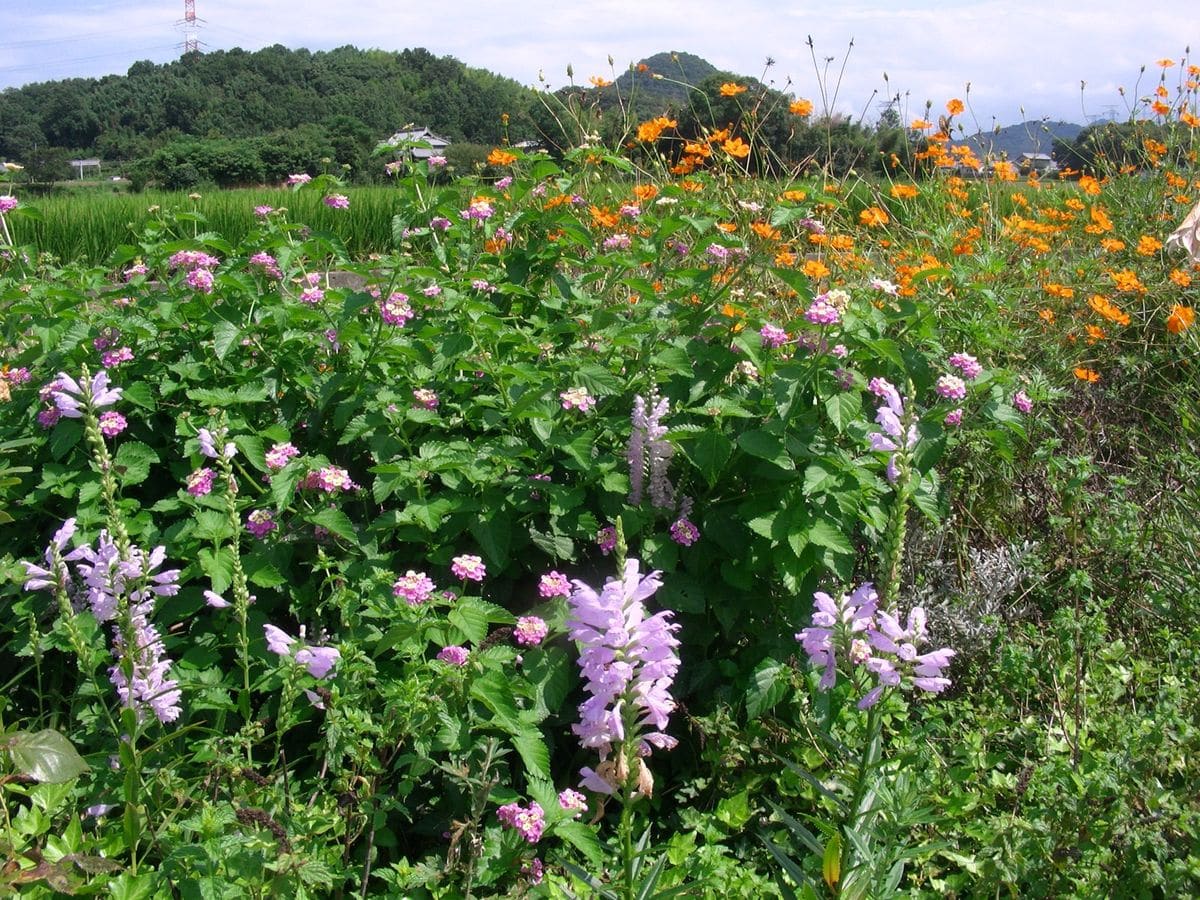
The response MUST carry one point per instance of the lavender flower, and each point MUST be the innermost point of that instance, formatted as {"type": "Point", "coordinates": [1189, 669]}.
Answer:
{"type": "Point", "coordinates": [337, 201]}
{"type": "Point", "coordinates": [855, 630]}
{"type": "Point", "coordinates": [628, 662]}
{"type": "Point", "coordinates": [772, 336]}
{"type": "Point", "coordinates": [649, 453]}
{"type": "Point", "coordinates": [318, 660]}
{"type": "Point", "coordinates": [260, 523]}
{"type": "Point", "coordinates": [278, 640]}
{"type": "Point", "coordinates": [1022, 402]}
{"type": "Point", "coordinates": [71, 397]}
{"type": "Point", "coordinates": [55, 574]}
{"type": "Point", "coordinates": [890, 416]}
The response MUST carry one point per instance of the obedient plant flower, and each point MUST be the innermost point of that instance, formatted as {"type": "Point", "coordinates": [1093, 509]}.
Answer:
{"type": "Point", "coordinates": [71, 397]}
{"type": "Point", "coordinates": [871, 645]}
{"type": "Point", "coordinates": [628, 662]}
{"type": "Point", "coordinates": [208, 444]}
{"type": "Point", "coordinates": [649, 453]}
{"type": "Point", "coordinates": [319, 661]}
{"type": "Point", "coordinates": [890, 416]}
{"type": "Point", "coordinates": [56, 574]}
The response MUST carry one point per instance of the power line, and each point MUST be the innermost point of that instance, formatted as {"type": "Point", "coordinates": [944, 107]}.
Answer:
{"type": "Point", "coordinates": [59, 63]}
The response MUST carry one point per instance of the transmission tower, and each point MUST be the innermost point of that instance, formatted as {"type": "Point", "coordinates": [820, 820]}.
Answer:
{"type": "Point", "coordinates": [191, 28]}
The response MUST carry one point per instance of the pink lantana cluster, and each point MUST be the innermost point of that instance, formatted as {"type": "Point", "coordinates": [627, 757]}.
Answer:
{"type": "Point", "coordinates": [528, 821]}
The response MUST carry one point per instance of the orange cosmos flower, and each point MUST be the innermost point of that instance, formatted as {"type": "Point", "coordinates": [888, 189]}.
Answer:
{"type": "Point", "coordinates": [695, 149]}
{"type": "Point", "coordinates": [500, 157]}
{"type": "Point", "coordinates": [1166, 63]}
{"type": "Point", "coordinates": [1148, 246]}
{"type": "Point", "coordinates": [1111, 245]}
{"type": "Point", "coordinates": [1100, 221]}
{"type": "Point", "coordinates": [873, 216]}
{"type": "Point", "coordinates": [785, 258]}
{"type": "Point", "coordinates": [1094, 333]}
{"type": "Point", "coordinates": [801, 107]}
{"type": "Point", "coordinates": [795, 196]}
{"type": "Point", "coordinates": [814, 268]}
{"type": "Point", "coordinates": [602, 218]}
{"type": "Point", "coordinates": [1059, 290]}
{"type": "Point", "coordinates": [904, 191]}
{"type": "Point", "coordinates": [1089, 185]}
{"type": "Point", "coordinates": [693, 187]}
{"type": "Point", "coordinates": [645, 191]}
{"type": "Point", "coordinates": [736, 148]}
{"type": "Point", "coordinates": [954, 107]}
{"type": "Point", "coordinates": [1087, 375]}
{"type": "Point", "coordinates": [1108, 310]}
{"type": "Point", "coordinates": [920, 124]}
{"type": "Point", "coordinates": [599, 82]}
{"type": "Point", "coordinates": [1160, 108]}
{"type": "Point", "coordinates": [1046, 315]}
{"type": "Point", "coordinates": [717, 136]}
{"type": "Point", "coordinates": [1179, 277]}
{"type": "Point", "coordinates": [1180, 319]}
{"type": "Point", "coordinates": [727, 227]}
{"type": "Point", "coordinates": [1127, 280]}
{"type": "Point", "coordinates": [730, 89]}
{"type": "Point", "coordinates": [765, 231]}
{"type": "Point", "coordinates": [1006, 171]}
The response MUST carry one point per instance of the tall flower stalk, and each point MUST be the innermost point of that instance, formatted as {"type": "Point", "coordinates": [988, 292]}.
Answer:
{"type": "Point", "coordinates": [628, 661]}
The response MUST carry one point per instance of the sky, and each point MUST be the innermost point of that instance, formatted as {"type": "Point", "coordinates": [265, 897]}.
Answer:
{"type": "Point", "coordinates": [1022, 59]}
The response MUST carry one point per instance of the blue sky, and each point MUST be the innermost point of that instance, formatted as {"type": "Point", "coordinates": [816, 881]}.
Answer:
{"type": "Point", "coordinates": [1023, 59]}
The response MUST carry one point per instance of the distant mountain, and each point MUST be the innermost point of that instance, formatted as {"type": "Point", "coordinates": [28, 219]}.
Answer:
{"type": "Point", "coordinates": [677, 72]}
{"type": "Point", "coordinates": [1034, 136]}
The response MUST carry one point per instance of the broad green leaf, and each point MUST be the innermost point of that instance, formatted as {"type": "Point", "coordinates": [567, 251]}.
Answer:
{"type": "Point", "coordinates": [766, 445]}
{"type": "Point", "coordinates": [843, 409]}
{"type": "Point", "coordinates": [132, 462]}
{"type": "Point", "coordinates": [534, 754]}
{"type": "Point", "coordinates": [46, 756]}
{"type": "Point", "coordinates": [336, 521]}
{"type": "Point", "coordinates": [225, 335]}
{"type": "Point", "coordinates": [768, 686]}
{"type": "Point", "coordinates": [709, 452]}
{"type": "Point", "coordinates": [493, 691]}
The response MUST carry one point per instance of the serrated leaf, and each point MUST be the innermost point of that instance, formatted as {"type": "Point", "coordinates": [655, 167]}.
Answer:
{"type": "Point", "coordinates": [533, 752]}
{"type": "Point", "coordinates": [768, 685]}
{"type": "Point", "coordinates": [218, 566]}
{"type": "Point", "coordinates": [225, 335]}
{"type": "Point", "coordinates": [46, 756]}
{"type": "Point", "coordinates": [843, 409]}
{"type": "Point", "coordinates": [494, 692]}
{"type": "Point", "coordinates": [132, 462]}
{"type": "Point", "coordinates": [583, 839]}
{"type": "Point", "coordinates": [335, 521]}
{"type": "Point", "coordinates": [709, 452]}
{"type": "Point", "coordinates": [766, 445]}
{"type": "Point", "coordinates": [824, 534]}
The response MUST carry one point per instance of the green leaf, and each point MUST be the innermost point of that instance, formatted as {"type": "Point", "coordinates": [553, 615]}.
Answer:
{"type": "Point", "coordinates": [533, 752]}
{"type": "Point", "coordinates": [843, 409]}
{"type": "Point", "coordinates": [766, 445]}
{"type": "Point", "coordinates": [336, 521]}
{"type": "Point", "coordinates": [768, 686]}
{"type": "Point", "coordinates": [46, 756]}
{"type": "Point", "coordinates": [709, 452]}
{"type": "Point", "coordinates": [493, 535]}
{"type": "Point", "coordinates": [823, 533]}
{"type": "Point", "coordinates": [218, 566]}
{"type": "Point", "coordinates": [225, 335]}
{"type": "Point", "coordinates": [493, 691]}
{"type": "Point", "coordinates": [132, 462]}
{"type": "Point", "coordinates": [583, 839]}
